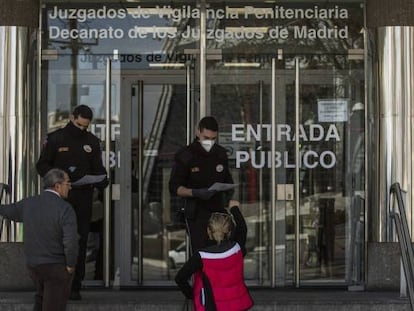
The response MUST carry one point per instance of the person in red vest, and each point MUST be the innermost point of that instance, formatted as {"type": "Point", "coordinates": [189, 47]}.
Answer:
{"type": "Point", "coordinates": [218, 269]}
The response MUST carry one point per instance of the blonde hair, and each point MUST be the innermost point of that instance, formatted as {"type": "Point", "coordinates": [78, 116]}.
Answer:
{"type": "Point", "coordinates": [220, 227]}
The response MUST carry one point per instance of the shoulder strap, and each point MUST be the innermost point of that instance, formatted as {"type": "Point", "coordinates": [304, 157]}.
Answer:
{"type": "Point", "coordinates": [210, 304]}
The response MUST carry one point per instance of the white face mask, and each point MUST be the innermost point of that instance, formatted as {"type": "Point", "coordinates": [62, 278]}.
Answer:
{"type": "Point", "coordinates": [207, 144]}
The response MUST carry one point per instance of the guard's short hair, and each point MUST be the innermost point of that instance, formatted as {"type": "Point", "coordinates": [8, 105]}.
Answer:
{"type": "Point", "coordinates": [53, 177]}
{"type": "Point", "coordinates": [83, 111]}
{"type": "Point", "coordinates": [208, 123]}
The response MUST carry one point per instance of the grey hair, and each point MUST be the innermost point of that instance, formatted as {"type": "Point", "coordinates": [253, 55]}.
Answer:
{"type": "Point", "coordinates": [53, 177]}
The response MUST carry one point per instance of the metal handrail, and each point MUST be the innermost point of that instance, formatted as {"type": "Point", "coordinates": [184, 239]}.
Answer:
{"type": "Point", "coordinates": [404, 238]}
{"type": "Point", "coordinates": [355, 271]}
{"type": "Point", "coordinates": [4, 189]}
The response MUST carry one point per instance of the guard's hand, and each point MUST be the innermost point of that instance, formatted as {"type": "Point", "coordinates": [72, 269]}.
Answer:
{"type": "Point", "coordinates": [234, 203]}
{"type": "Point", "coordinates": [203, 193]}
{"type": "Point", "coordinates": [70, 269]}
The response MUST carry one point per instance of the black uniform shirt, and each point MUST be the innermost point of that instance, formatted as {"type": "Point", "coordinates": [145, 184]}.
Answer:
{"type": "Point", "coordinates": [196, 168]}
{"type": "Point", "coordinates": [50, 229]}
{"type": "Point", "coordinates": [77, 153]}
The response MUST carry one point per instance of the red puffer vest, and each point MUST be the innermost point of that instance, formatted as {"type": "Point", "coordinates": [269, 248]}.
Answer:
{"type": "Point", "coordinates": [225, 275]}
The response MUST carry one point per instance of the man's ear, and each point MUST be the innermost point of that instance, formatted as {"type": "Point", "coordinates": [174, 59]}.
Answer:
{"type": "Point", "coordinates": [72, 117]}
{"type": "Point", "coordinates": [56, 187]}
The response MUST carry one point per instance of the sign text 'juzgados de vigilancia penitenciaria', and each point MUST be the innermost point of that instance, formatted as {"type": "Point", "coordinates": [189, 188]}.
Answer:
{"type": "Point", "coordinates": [275, 22]}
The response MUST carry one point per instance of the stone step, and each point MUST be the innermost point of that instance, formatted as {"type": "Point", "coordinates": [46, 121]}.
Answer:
{"type": "Point", "coordinates": [265, 300]}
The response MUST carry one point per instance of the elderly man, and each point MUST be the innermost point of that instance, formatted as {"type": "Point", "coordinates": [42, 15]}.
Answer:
{"type": "Point", "coordinates": [50, 240]}
{"type": "Point", "coordinates": [76, 151]}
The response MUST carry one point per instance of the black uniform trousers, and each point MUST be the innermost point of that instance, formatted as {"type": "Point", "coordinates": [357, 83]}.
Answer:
{"type": "Point", "coordinates": [53, 283]}
{"type": "Point", "coordinates": [81, 201]}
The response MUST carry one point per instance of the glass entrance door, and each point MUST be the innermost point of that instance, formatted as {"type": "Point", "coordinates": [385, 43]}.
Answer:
{"type": "Point", "coordinates": [331, 174]}
{"type": "Point", "coordinates": [153, 115]}
{"type": "Point", "coordinates": [158, 107]}
{"type": "Point", "coordinates": [301, 206]}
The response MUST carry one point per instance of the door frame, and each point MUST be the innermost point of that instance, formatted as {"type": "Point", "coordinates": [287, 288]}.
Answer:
{"type": "Point", "coordinates": [279, 79]}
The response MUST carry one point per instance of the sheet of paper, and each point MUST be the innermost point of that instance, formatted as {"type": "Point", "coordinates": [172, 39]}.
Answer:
{"type": "Point", "coordinates": [89, 179]}
{"type": "Point", "coordinates": [218, 186]}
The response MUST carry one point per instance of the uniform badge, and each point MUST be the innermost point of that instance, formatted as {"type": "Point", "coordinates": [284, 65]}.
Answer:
{"type": "Point", "coordinates": [195, 169]}
{"type": "Point", "coordinates": [63, 149]}
{"type": "Point", "coordinates": [87, 148]}
{"type": "Point", "coordinates": [219, 168]}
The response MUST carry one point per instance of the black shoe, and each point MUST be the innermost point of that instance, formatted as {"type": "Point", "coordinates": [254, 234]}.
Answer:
{"type": "Point", "coordinates": [75, 295]}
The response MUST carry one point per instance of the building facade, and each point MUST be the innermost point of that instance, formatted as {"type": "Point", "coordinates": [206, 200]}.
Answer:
{"type": "Point", "coordinates": [313, 101]}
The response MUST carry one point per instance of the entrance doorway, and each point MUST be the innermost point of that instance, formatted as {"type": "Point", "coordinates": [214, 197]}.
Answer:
{"type": "Point", "coordinates": [310, 213]}
{"type": "Point", "coordinates": [290, 110]}
{"type": "Point", "coordinates": [318, 246]}
{"type": "Point", "coordinates": [301, 197]}
{"type": "Point", "coordinates": [157, 103]}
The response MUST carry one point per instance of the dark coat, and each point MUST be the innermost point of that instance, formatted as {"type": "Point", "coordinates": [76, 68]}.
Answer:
{"type": "Point", "coordinates": [50, 229]}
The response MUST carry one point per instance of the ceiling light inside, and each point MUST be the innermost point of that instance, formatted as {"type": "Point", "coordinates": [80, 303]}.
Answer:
{"type": "Point", "coordinates": [171, 65]}
{"type": "Point", "coordinates": [241, 64]}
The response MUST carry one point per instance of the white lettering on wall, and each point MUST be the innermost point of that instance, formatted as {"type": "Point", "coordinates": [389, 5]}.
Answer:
{"type": "Point", "coordinates": [258, 158]}
{"type": "Point", "coordinates": [284, 132]}
{"type": "Point", "coordinates": [99, 131]}
{"type": "Point", "coordinates": [176, 14]}
{"type": "Point", "coordinates": [309, 159]}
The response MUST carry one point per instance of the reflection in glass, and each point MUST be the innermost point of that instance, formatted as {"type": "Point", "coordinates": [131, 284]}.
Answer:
{"type": "Point", "coordinates": [164, 133]}
{"type": "Point", "coordinates": [239, 94]}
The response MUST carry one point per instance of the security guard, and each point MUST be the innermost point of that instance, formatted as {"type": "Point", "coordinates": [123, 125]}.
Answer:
{"type": "Point", "coordinates": [197, 167]}
{"type": "Point", "coordinates": [77, 152]}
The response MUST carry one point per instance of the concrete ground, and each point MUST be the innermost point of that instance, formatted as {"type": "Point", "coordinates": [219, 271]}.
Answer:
{"type": "Point", "coordinates": [265, 299]}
